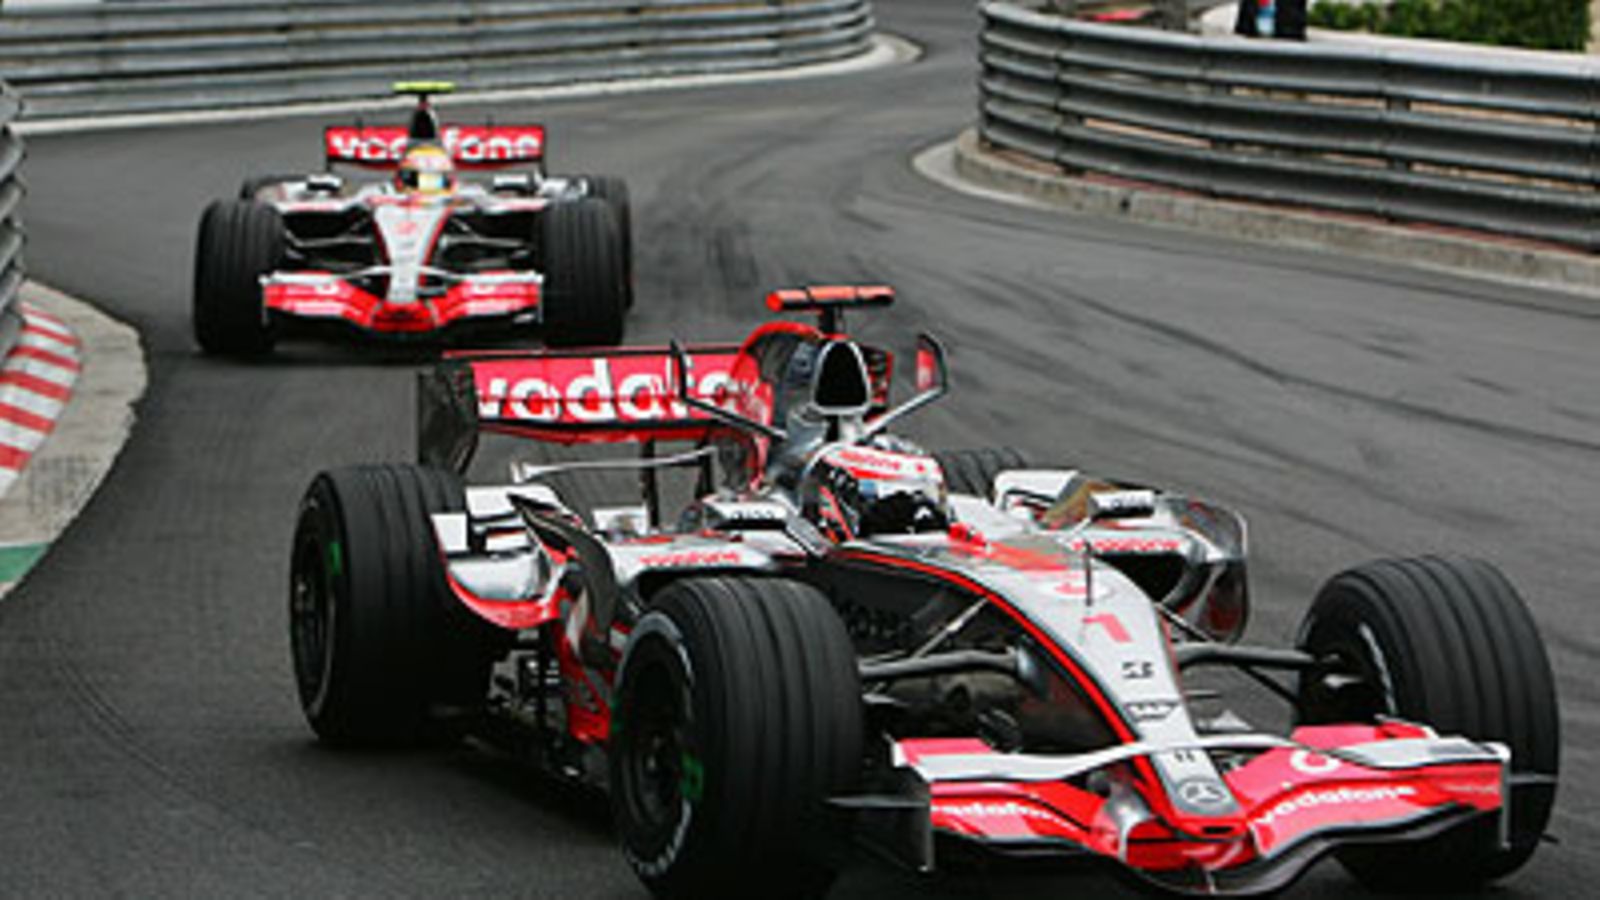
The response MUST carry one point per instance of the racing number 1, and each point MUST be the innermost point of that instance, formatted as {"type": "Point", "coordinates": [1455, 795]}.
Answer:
{"type": "Point", "coordinates": [1112, 625]}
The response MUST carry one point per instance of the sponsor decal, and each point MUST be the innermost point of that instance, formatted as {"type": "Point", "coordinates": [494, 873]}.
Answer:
{"type": "Point", "coordinates": [866, 462]}
{"type": "Point", "coordinates": [1203, 793]}
{"type": "Point", "coordinates": [1344, 796]}
{"type": "Point", "coordinates": [1150, 710]}
{"type": "Point", "coordinates": [748, 512]}
{"type": "Point", "coordinates": [1122, 504]}
{"type": "Point", "coordinates": [467, 145]}
{"type": "Point", "coordinates": [1487, 788]}
{"type": "Point", "coordinates": [980, 809]}
{"type": "Point", "coordinates": [689, 558]}
{"type": "Point", "coordinates": [1130, 545]}
{"type": "Point", "coordinates": [599, 390]}
{"type": "Point", "coordinates": [1308, 763]}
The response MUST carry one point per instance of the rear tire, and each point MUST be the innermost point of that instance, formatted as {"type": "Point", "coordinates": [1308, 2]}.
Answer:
{"type": "Point", "coordinates": [738, 715]}
{"type": "Point", "coordinates": [614, 191]}
{"type": "Point", "coordinates": [584, 277]}
{"type": "Point", "coordinates": [1447, 643]}
{"type": "Point", "coordinates": [239, 242]}
{"type": "Point", "coordinates": [384, 654]}
{"type": "Point", "coordinates": [973, 471]}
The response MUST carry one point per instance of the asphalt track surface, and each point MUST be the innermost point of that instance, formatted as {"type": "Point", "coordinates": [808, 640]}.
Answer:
{"type": "Point", "coordinates": [150, 743]}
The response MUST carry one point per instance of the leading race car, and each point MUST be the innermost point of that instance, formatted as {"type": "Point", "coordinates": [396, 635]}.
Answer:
{"type": "Point", "coordinates": [845, 639]}
{"type": "Point", "coordinates": [435, 248]}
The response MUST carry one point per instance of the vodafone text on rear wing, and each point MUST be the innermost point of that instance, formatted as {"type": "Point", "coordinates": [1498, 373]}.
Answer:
{"type": "Point", "coordinates": [586, 397]}
{"type": "Point", "coordinates": [471, 146]}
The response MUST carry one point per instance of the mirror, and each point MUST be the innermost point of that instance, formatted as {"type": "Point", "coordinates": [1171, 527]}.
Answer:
{"type": "Point", "coordinates": [931, 374]}
{"type": "Point", "coordinates": [932, 382]}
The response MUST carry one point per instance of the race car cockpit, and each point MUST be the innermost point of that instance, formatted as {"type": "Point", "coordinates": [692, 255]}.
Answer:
{"type": "Point", "coordinates": [808, 408]}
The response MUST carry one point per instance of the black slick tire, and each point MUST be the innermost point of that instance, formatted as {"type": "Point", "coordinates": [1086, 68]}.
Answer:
{"type": "Point", "coordinates": [384, 655]}
{"type": "Point", "coordinates": [614, 191]}
{"type": "Point", "coordinates": [584, 298]}
{"type": "Point", "coordinates": [973, 471]}
{"type": "Point", "coordinates": [1448, 643]}
{"type": "Point", "coordinates": [738, 714]}
{"type": "Point", "coordinates": [239, 242]}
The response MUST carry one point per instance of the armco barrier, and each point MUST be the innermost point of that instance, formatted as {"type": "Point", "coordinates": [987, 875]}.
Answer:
{"type": "Point", "coordinates": [128, 56]}
{"type": "Point", "coordinates": [1491, 142]}
{"type": "Point", "coordinates": [10, 227]}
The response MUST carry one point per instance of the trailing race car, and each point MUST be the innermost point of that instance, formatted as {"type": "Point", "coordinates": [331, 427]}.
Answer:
{"type": "Point", "coordinates": [434, 249]}
{"type": "Point", "coordinates": [843, 636]}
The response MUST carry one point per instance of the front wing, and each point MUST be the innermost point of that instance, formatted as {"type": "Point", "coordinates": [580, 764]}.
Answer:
{"type": "Point", "coordinates": [480, 298]}
{"type": "Point", "coordinates": [1297, 799]}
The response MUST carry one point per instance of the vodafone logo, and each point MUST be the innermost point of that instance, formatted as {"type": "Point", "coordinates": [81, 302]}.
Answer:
{"type": "Point", "coordinates": [591, 392]}
{"type": "Point", "coordinates": [369, 147]}
{"type": "Point", "coordinates": [864, 461]}
{"type": "Point", "coordinates": [996, 810]}
{"type": "Point", "coordinates": [1338, 797]}
{"type": "Point", "coordinates": [494, 145]}
{"type": "Point", "coordinates": [1131, 545]}
{"type": "Point", "coordinates": [472, 145]}
{"type": "Point", "coordinates": [1308, 763]}
{"type": "Point", "coordinates": [690, 558]}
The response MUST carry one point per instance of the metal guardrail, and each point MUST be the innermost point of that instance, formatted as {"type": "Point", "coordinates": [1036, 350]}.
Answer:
{"type": "Point", "coordinates": [1480, 141]}
{"type": "Point", "coordinates": [11, 236]}
{"type": "Point", "coordinates": [126, 56]}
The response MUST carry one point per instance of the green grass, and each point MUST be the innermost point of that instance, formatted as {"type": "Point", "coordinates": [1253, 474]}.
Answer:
{"type": "Point", "coordinates": [1536, 24]}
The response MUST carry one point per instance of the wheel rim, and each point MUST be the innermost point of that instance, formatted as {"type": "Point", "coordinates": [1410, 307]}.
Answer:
{"type": "Point", "coordinates": [311, 612]}
{"type": "Point", "coordinates": [660, 774]}
{"type": "Point", "coordinates": [1350, 688]}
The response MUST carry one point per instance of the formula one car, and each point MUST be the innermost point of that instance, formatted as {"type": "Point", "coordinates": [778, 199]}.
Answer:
{"type": "Point", "coordinates": [433, 250]}
{"type": "Point", "coordinates": [845, 637]}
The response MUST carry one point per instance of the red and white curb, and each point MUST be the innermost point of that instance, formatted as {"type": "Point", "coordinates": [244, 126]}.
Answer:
{"type": "Point", "coordinates": [36, 382]}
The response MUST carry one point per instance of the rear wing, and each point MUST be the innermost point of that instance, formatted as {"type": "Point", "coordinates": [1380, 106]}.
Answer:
{"type": "Point", "coordinates": [585, 397]}
{"type": "Point", "coordinates": [471, 146]}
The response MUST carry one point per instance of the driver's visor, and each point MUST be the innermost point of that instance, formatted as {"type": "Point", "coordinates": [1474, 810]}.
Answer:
{"type": "Point", "coordinates": [427, 182]}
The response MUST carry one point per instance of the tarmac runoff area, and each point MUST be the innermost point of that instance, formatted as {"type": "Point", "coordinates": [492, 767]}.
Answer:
{"type": "Point", "coordinates": [62, 422]}
{"type": "Point", "coordinates": [966, 165]}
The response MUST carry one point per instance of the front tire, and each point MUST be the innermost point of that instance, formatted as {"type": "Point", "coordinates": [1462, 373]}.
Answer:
{"type": "Point", "coordinates": [239, 242]}
{"type": "Point", "coordinates": [383, 653]}
{"type": "Point", "coordinates": [614, 191]}
{"type": "Point", "coordinates": [1447, 643]}
{"type": "Point", "coordinates": [738, 715]}
{"type": "Point", "coordinates": [584, 276]}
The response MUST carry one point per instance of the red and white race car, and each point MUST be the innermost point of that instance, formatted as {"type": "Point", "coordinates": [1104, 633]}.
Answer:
{"type": "Point", "coordinates": [842, 638]}
{"type": "Point", "coordinates": [449, 240]}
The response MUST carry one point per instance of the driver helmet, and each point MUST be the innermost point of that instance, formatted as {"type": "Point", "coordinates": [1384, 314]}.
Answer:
{"type": "Point", "coordinates": [425, 169]}
{"type": "Point", "coordinates": [861, 491]}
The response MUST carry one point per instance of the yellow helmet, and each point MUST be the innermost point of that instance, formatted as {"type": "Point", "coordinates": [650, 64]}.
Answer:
{"type": "Point", "coordinates": [426, 169]}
